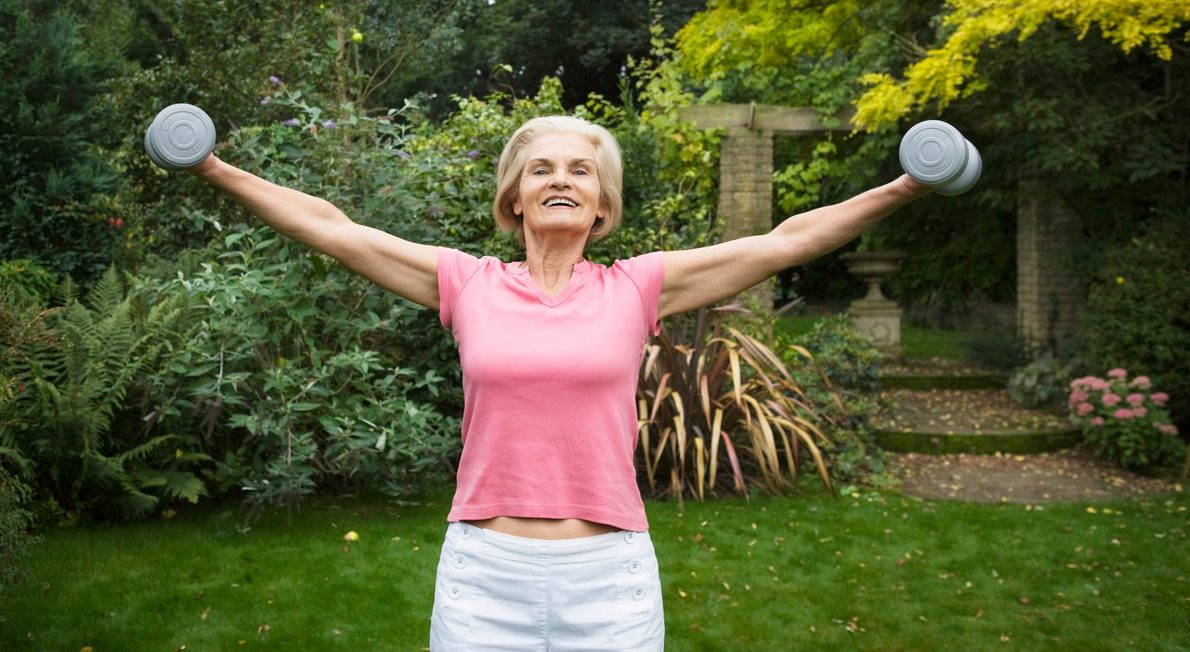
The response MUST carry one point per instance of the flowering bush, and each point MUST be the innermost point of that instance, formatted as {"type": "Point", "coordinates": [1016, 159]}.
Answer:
{"type": "Point", "coordinates": [1125, 420]}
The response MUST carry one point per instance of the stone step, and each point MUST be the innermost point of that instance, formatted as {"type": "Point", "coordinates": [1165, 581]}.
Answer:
{"type": "Point", "coordinates": [937, 373]}
{"type": "Point", "coordinates": [980, 421]}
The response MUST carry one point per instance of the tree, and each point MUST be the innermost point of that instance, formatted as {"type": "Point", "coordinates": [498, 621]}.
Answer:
{"type": "Point", "coordinates": [949, 71]}
{"type": "Point", "coordinates": [512, 45]}
{"type": "Point", "coordinates": [1081, 98]}
{"type": "Point", "coordinates": [55, 133]}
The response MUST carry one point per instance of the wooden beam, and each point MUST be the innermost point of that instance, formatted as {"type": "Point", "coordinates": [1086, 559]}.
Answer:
{"type": "Point", "coordinates": [763, 117]}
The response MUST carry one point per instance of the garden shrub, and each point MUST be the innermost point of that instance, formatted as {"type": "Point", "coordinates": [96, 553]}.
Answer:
{"type": "Point", "coordinates": [77, 421]}
{"type": "Point", "coordinates": [15, 540]}
{"type": "Point", "coordinates": [26, 281]}
{"type": "Point", "coordinates": [1136, 316]}
{"type": "Point", "coordinates": [1043, 383]}
{"type": "Point", "coordinates": [302, 376]}
{"type": "Point", "coordinates": [712, 397]}
{"type": "Point", "coordinates": [1125, 420]}
{"type": "Point", "coordinates": [57, 178]}
{"type": "Point", "coordinates": [841, 384]}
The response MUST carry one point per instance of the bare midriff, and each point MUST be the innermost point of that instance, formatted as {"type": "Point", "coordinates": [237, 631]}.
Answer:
{"type": "Point", "coordinates": [544, 528]}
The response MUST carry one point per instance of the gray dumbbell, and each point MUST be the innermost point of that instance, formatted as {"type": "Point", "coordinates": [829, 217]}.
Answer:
{"type": "Point", "coordinates": [181, 136]}
{"type": "Point", "coordinates": [936, 154]}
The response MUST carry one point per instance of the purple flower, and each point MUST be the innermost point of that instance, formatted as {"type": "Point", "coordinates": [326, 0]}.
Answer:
{"type": "Point", "coordinates": [329, 124]}
{"type": "Point", "coordinates": [403, 154]}
{"type": "Point", "coordinates": [274, 80]}
{"type": "Point", "coordinates": [473, 153]}
{"type": "Point", "coordinates": [291, 122]}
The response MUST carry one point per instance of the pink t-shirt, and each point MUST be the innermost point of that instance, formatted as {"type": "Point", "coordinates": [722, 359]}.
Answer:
{"type": "Point", "coordinates": [549, 384]}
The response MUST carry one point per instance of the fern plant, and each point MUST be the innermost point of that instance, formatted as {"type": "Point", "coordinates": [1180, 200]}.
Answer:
{"type": "Point", "coordinates": [708, 391]}
{"type": "Point", "coordinates": [91, 453]}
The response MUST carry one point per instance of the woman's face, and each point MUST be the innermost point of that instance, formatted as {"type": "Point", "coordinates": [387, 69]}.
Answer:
{"type": "Point", "coordinates": [559, 186]}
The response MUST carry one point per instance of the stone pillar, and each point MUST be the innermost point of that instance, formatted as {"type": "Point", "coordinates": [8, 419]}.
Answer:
{"type": "Point", "coordinates": [746, 195]}
{"type": "Point", "coordinates": [1048, 299]}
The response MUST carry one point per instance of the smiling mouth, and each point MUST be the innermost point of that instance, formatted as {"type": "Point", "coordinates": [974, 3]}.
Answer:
{"type": "Point", "coordinates": [559, 201]}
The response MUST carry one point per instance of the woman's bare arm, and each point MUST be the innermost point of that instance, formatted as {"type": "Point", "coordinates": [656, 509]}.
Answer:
{"type": "Point", "coordinates": [703, 276]}
{"type": "Point", "coordinates": [405, 268]}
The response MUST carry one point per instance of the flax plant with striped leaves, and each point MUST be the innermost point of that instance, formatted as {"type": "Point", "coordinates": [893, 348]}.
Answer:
{"type": "Point", "coordinates": [718, 410]}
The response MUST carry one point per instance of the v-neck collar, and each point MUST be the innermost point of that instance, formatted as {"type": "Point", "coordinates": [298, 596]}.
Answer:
{"type": "Point", "coordinates": [520, 271]}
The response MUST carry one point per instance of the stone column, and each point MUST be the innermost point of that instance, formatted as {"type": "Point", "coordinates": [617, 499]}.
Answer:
{"type": "Point", "coordinates": [746, 194]}
{"type": "Point", "coordinates": [1048, 298]}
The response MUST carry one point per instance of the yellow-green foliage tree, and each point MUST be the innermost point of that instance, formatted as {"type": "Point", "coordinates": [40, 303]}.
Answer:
{"type": "Point", "coordinates": [761, 38]}
{"type": "Point", "coordinates": [948, 72]}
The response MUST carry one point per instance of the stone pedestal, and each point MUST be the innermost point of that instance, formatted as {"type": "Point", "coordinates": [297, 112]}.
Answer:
{"type": "Point", "coordinates": [875, 315]}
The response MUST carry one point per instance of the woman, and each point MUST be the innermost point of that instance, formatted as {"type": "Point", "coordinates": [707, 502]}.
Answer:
{"type": "Point", "coordinates": [547, 545]}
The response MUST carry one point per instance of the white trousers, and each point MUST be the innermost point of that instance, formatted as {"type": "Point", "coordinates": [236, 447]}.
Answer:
{"type": "Point", "coordinates": [501, 592]}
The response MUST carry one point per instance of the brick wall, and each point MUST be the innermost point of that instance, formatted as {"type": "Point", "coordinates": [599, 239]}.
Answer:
{"type": "Point", "coordinates": [1048, 300]}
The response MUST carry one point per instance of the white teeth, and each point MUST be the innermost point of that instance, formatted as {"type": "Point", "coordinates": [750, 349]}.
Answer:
{"type": "Point", "coordinates": [560, 201]}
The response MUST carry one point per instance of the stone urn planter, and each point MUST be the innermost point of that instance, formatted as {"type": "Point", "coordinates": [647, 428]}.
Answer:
{"type": "Point", "coordinates": [875, 315]}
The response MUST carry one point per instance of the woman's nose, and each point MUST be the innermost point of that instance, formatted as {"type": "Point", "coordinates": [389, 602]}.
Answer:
{"type": "Point", "coordinates": [560, 179]}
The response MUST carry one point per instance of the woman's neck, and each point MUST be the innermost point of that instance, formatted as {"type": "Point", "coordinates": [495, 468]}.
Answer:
{"type": "Point", "coordinates": [551, 268]}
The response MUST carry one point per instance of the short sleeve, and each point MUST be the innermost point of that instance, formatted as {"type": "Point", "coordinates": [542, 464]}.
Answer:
{"type": "Point", "coordinates": [647, 272]}
{"type": "Point", "coordinates": [455, 268]}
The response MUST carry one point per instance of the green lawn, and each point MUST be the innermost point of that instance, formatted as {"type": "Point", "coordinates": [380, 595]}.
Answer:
{"type": "Point", "coordinates": [872, 571]}
{"type": "Point", "coordinates": [916, 342]}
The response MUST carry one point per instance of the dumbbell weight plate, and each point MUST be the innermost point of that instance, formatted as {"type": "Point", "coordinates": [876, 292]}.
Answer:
{"type": "Point", "coordinates": [967, 179]}
{"type": "Point", "coordinates": [933, 152]}
{"type": "Point", "coordinates": [181, 135]}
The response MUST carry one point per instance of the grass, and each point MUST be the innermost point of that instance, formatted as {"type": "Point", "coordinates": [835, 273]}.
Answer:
{"type": "Point", "coordinates": [916, 342]}
{"type": "Point", "coordinates": [870, 571]}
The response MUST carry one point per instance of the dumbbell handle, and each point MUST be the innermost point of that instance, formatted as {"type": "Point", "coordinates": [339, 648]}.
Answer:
{"type": "Point", "coordinates": [180, 137]}
{"type": "Point", "coordinates": [937, 155]}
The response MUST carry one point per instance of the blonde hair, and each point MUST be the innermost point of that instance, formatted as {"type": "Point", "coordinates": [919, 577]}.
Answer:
{"type": "Point", "coordinates": [608, 168]}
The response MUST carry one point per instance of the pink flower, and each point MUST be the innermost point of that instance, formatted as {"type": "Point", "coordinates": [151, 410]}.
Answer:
{"type": "Point", "coordinates": [1139, 412]}
{"type": "Point", "coordinates": [1117, 373]}
{"type": "Point", "coordinates": [1078, 396]}
{"type": "Point", "coordinates": [1159, 398]}
{"type": "Point", "coordinates": [1123, 414]}
{"type": "Point", "coordinates": [1167, 428]}
{"type": "Point", "coordinates": [1110, 399]}
{"type": "Point", "coordinates": [1141, 382]}
{"type": "Point", "coordinates": [1085, 408]}
{"type": "Point", "coordinates": [1135, 399]}
{"type": "Point", "coordinates": [1099, 384]}
{"type": "Point", "coordinates": [1097, 421]}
